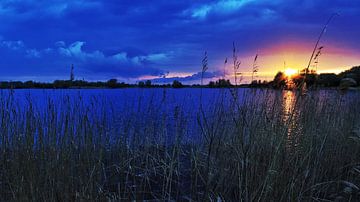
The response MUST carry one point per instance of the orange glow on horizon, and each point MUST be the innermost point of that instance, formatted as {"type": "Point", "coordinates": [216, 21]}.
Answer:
{"type": "Point", "coordinates": [280, 56]}
{"type": "Point", "coordinates": [290, 72]}
{"type": "Point", "coordinates": [335, 58]}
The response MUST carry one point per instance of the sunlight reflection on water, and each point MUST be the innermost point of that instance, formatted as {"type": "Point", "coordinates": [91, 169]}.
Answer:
{"type": "Point", "coordinates": [290, 119]}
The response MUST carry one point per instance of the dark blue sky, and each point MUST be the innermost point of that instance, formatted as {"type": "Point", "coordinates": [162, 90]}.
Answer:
{"type": "Point", "coordinates": [132, 40]}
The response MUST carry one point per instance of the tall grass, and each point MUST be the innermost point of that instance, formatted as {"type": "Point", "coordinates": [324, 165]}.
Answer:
{"type": "Point", "coordinates": [276, 146]}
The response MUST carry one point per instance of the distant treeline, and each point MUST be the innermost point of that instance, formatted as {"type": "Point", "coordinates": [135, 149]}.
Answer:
{"type": "Point", "coordinates": [112, 83]}
{"type": "Point", "coordinates": [64, 84]}
{"type": "Point", "coordinates": [348, 78]}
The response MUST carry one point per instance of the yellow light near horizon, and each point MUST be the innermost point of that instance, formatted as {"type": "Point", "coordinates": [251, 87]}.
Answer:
{"type": "Point", "coordinates": [290, 72]}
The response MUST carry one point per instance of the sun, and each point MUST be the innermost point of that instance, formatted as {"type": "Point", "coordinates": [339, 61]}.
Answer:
{"type": "Point", "coordinates": [290, 72]}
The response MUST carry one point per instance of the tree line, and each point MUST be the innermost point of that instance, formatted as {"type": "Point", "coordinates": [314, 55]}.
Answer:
{"type": "Point", "coordinates": [349, 78]}
{"type": "Point", "coordinates": [68, 84]}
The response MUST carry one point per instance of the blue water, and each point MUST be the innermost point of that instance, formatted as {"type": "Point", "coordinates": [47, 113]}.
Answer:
{"type": "Point", "coordinates": [121, 111]}
{"type": "Point", "coordinates": [159, 113]}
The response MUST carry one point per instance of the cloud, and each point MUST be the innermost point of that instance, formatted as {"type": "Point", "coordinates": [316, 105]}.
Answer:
{"type": "Point", "coordinates": [75, 50]}
{"type": "Point", "coordinates": [156, 57]}
{"type": "Point", "coordinates": [13, 45]}
{"type": "Point", "coordinates": [56, 8]}
{"type": "Point", "coordinates": [33, 53]}
{"type": "Point", "coordinates": [60, 44]}
{"type": "Point", "coordinates": [201, 12]}
{"type": "Point", "coordinates": [192, 78]}
{"type": "Point", "coordinates": [220, 7]}
{"type": "Point", "coordinates": [19, 46]}
{"type": "Point", "coordinates": [120, 64]}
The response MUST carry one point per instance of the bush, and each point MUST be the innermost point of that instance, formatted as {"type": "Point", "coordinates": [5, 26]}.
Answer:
{"type": "Point", "coordinates": [177, 84]}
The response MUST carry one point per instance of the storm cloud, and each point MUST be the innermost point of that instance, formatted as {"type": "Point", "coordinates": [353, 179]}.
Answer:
{"type": "Point", "coordinates": [133, 39]}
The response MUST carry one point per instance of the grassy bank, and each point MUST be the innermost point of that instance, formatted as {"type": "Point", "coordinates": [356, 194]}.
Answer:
{"type": "Point", "coordinates": [261, 145]}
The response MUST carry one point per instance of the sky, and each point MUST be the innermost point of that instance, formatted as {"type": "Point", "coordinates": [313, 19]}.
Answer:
{"type": "Point", "coordinates": [166, 39]}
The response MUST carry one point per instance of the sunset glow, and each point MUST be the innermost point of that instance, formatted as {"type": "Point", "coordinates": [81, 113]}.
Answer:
{"type": "Point", "coordinates": [290, 72]}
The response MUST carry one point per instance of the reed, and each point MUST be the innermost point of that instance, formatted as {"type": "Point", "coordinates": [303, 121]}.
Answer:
{"type": "Point", "coordinates": [276, 146]}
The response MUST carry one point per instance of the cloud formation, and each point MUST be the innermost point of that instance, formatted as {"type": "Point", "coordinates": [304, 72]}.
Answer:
{"type": "Point", "coordinates": [93, 62]}
{"type": "Point", "coordinates": [194, 78]}
{"type": "Point", "coordinates": [133, 39]}
{"type": "Point", "coordinates": [219, 7]}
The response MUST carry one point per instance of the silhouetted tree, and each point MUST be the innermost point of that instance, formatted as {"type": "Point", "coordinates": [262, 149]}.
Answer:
{"type": "Point", "coordinates": [254, 83]}
{"type": "Point", "coordinates": [353, 73]}
{"type": "Point", "coordinates": [222, 83]}
{"type": "Point", "coordinates": [328, 80]}
{"type": "Point", "coordinates": [29, 84]}
{"type": "Point", "coordinates": [148, 83]}
{"type": "Point", "coordinates": [61, 84]}
{"type": "Point", "coordinates": [279, 80]}
{"type": "Point", "coordinates": [141, 84]}
{"type": "Point", "coordinates": [177, 84]}
{"type": "Point", "coordinates": [112, 83]}
{"type": "Point", "coordinates": [307, 76]}
{"type": "Point", "coordinates": [211, 84]}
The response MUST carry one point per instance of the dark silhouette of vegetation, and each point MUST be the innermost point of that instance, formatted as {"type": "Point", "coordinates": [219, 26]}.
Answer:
{"type": "Point", "coordinates": [353, 73]}
{"type": "Point", "coordinates": [307, 76]}
{"type": "Point", "coordinates": [280, 81]}
{"type": "Point", "coordinates": [148, 83]}
{"type": "Point", "coordinates": [64, 84]}
{"type": "Point", "coordinates": [112, 83]}
{"type": "Point", "coordinates": [328, 80]}
{"type": "Point", "coordinates": [221, 83]}
{"type": "Point", "coordinates": [259, 84]}
{"type": "Point", "coordinates": [311, 78]}
{"type": "Point", "coordinates": [141, 84]}
{"type": "Point", "coordinates": [177, 84]}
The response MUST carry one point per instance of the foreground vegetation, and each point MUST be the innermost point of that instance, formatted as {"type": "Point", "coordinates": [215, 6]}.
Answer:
{"type": "Point", "coordinates": [248, 145]}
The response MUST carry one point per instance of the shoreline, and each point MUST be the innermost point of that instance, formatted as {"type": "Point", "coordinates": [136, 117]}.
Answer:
{"type": "Point", "coordinates": [184, 87]}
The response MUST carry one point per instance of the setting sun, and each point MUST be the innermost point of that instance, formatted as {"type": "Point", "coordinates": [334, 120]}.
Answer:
{"type": "Point", "coordinates": [290, 72]}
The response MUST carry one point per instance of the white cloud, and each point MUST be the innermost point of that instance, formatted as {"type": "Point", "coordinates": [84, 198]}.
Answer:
{"type": "Point", "coordinates": [20, 46]}
{"type": "Point", "coordinates": [34, 9]}
{"type": "Point", "coordinates": [201, 12]}
{"type": "Point", "coordinates": [13, 45]}
{"type": "Point", "coordinates": [220, 7]}
{"type": "Point", "coordinates": [73, 50]}
{"type": "Point", "coordinates": [157, 57]}
{"type": "Point", "coordinates": [33, 53]}
{"type": "Point", "coordinates": [230, 5]}
{"type": "Point", "coordinates": [60, 44]}
{"type": "Point", "coordinates": [152, 58]}
{"type": "Point", "coordinates": [120, 56]}
{"type": "Point", "coordinates": [76, 51]}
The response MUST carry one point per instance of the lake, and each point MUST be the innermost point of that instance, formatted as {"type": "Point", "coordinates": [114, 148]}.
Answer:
{"type": "Point", "coordinates": [162, 112]}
